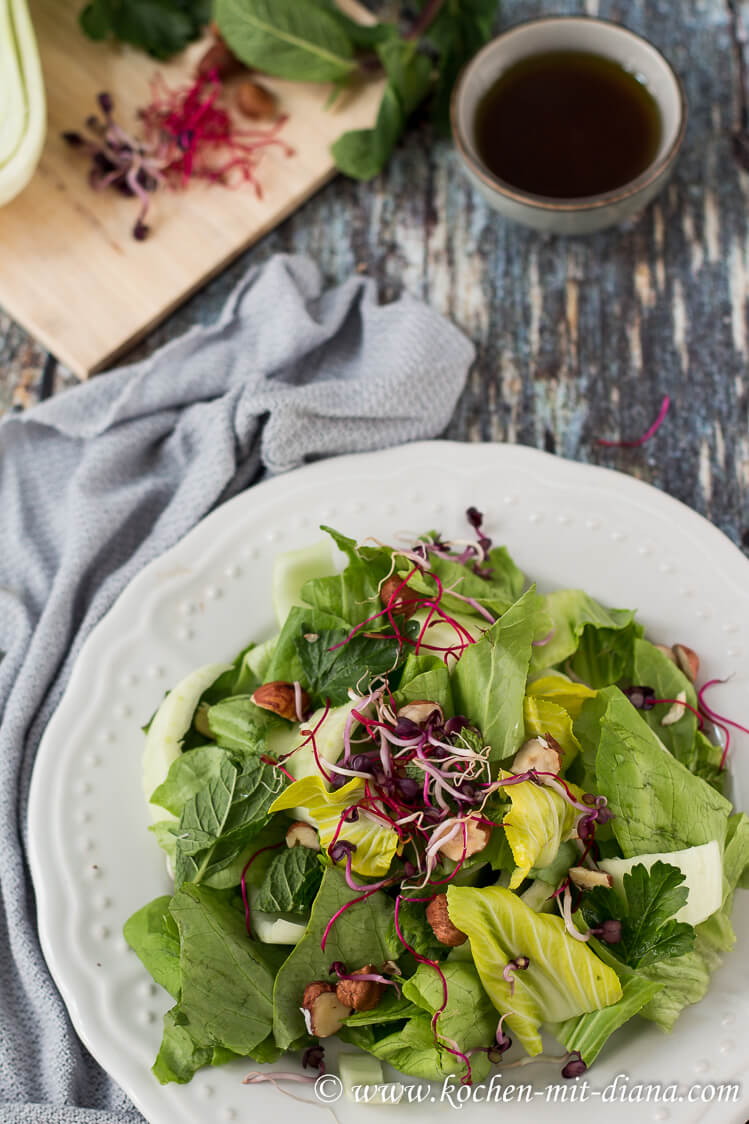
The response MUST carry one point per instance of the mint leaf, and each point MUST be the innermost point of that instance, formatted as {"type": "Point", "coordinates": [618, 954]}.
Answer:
{"type": "Point", "coordinates": [363, 153]}
{"type": "Point", "coordinates": [160, 27]}
{"type": "Point", "coordinates": [294, 39]}
{"type": "Point", "coordinates": [330, 665]}
{"type": "Point", "coordinates": [291, 882]}
{"type": "Point", "coordinates": [219, 821]}
{"type": "Point", "coordinates": [649, 933]}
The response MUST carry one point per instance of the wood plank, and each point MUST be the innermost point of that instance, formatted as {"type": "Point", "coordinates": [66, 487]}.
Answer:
{"type": "Point", "coordinates": [71, 272]}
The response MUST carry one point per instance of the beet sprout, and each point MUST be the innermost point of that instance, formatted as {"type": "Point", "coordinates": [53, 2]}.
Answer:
{"type": "Point", "coordinates": [338, 912]}
{"type": "Point", "coordinates": [243, 884]}
{"type": "Point", "coordinates": [686, 705]}
{"type": "Point", "coordinates": [718, 719]}
{"type": "Point", "coordinates": [566, 911]}
{"type": "Point", "coordinates": [650, 432]}
{"type": "Point", "coordinates": [339, 969]}
{"type": "Point", "coordinates": [544, 639]}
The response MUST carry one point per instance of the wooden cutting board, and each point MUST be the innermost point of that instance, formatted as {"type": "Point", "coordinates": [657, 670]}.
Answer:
{"type": "Point", "coordinates": [70, 271]}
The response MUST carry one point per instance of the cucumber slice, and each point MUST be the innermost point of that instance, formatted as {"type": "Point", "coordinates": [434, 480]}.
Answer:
{"type": "Point", "coordinates": [703, 876]}
{"type": "Point", "coordinates": [168, 727]}
{"type": "Point", "coordinates": [364, 1082]}
{"type": "Point", "coordinates": [295, 567]}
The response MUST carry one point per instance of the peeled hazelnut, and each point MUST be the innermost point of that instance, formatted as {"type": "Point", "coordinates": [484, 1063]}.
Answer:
{"type": "Point", "coordinates": [688, 660]}
{"type": "Point", "coordinates": [302, 835]}
{"type": "Point", "coordinates": [676, 710]}
{"type": "Point", "coordinates": [219, 59]}
{"type": "Point", "coordinates": [362, 995]}
{"type": "Point", "coordinates": [419, 711]}
{"type": "Point", "coordinates": [538, 754]}
{"type": "Point", "coordinates": [323, 1011]}
{"type": "Point", "coordinates": [586, 879]}
{"type": "Point", "coordinates": [474, 839]}
{"type": "Point", "coordinates": [280, 698]}
{"type": "Point", "coordinates": [405, 599]}
{"type": "Point", "coordinates": [254, 101]}
{"type": "Point", "coordinates": [442, 927]}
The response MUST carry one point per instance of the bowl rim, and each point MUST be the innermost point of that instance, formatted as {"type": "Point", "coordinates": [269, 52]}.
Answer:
{"type": "Point", "coordinates": [583, 202]}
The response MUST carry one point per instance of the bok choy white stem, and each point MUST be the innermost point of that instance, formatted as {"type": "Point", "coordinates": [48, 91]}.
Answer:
{"type": "Point", "coordinates": [22, 104]}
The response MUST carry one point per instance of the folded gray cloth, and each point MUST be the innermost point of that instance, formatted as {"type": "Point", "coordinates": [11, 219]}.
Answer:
{"type": "Point", "coordinates": [96, 483]}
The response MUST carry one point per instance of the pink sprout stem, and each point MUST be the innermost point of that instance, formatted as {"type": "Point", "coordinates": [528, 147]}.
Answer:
{"type": "Point", "coordinates": [646, 435]}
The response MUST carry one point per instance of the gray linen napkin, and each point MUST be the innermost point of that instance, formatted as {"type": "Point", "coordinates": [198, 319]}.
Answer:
{"type": "Point", "coordinates": [96, 483]}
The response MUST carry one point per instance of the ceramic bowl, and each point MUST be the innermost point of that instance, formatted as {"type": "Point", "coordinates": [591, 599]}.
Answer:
{"type": "Point", "coordinates": [589, 213]}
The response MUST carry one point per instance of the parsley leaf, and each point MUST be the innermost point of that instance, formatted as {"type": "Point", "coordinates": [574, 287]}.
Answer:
{"type": "Point", "coordinates": [649, 932]}
{"type": "Point", "coordinates": [330, 666]}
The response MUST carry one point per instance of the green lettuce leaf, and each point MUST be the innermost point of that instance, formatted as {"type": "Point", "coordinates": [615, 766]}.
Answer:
{"type": "Point", "coordinates": [658, 804]}
{"type": "Point", "coordinates": [227, 978]}
{"type": "Point", "coordinates": [180, 1056]}
{"type": "Point", "coordinates": [489, 678]}
{"type": "Point", "coordinates": [469, 1019]}
{"type": "Point", "coordinates": [564, 977]}
{"type": "Point", "coordinates": [651, 668]}
{"type": "Point", "coordinates": [361, 935]}
{"type": "Point", "coordinates": [291, 882]}
{"type": "Point", "coordinates": [600, 639]}
{"type": "Point", "coordinates": [433, 684]}
{"type": "Point", "coordinates": [354, 594]}
{"type": "Point", "coordinates": [153, 936]}
{"type": "Point", "coordinates": [237, 724]}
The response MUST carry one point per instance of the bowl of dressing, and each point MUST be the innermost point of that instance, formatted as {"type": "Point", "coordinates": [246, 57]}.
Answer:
{"type": "Point", "coordinates": [568, 124]}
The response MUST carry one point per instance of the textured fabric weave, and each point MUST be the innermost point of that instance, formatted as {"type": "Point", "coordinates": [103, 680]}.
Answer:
{"type": "Point", "coordinates": [96, 483]}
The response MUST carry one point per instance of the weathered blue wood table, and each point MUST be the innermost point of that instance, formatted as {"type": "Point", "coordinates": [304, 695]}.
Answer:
{"type": "Point", "coordinates": [576, 339]}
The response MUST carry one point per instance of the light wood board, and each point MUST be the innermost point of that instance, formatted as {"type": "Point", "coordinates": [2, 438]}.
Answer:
{"type": "Point", "coordinates": [70, 271]}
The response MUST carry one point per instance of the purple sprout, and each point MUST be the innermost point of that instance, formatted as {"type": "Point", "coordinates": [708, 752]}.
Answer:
{"type": "Point", "coordinates": [575, 1066]}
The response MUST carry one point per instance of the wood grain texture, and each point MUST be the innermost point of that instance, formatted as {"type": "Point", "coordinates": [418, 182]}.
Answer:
{"type": "Point", "coordinates": [577, 339]}
{"type": "Point", "coordinates": [71, 271]}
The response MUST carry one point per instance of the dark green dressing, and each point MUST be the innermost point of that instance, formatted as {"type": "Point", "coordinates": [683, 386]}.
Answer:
{"type": "Point", "coordinates": [567, 124]}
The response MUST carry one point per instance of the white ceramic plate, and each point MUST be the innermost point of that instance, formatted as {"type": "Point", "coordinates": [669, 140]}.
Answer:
{"type": "Point", "coordinates": [94, 862]}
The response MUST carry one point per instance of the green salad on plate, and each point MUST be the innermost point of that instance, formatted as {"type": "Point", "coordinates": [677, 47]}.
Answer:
{"type": "Point", "coordinates": [437, 813]}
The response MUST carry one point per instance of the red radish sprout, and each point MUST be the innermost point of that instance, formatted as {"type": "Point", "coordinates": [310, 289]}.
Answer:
{"type": "Point", "coordinates": [686, 705]}
{"type": "Point", "coordinates": [519, 964]}
{"type": "Point", "coordinates": [650, 432]}
{"type": "Point", "coordinates": [544, 639]}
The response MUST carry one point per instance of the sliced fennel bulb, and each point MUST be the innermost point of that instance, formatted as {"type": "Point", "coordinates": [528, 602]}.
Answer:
{"type": "Point", "coordinates": [22, 104]}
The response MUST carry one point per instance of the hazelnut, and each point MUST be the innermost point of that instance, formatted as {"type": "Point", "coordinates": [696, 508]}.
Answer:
{"type": "Point", "coordinates": [404, 598]}
{"type": "Point", "coordinates": [302, 835]}
{"type": "Point", "coordinates": [420, 710]}
{"type": "Point", "coordinates": [362, 995]}
{"type": "Point", "coordinates": [688, 660]}
{"type": "Point", "coordinates": [586, 879]}
{"type": "Point", "coordinates": [280, 698]}
{"type": "Point", "coordinates": [442, 927]}
{"type": "Point", "coordinates": [219, 59]}
{"type": "Point", "coordinates": [474, 840]}
{"type": "Point", "coordinates": [255, 101]}
{"type": "Point", "coordinates": [323, 1011]}
{"type": "Point", "coordinates": [666, 651]}
{"type": "Point", "coordinates": [540, 754]}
